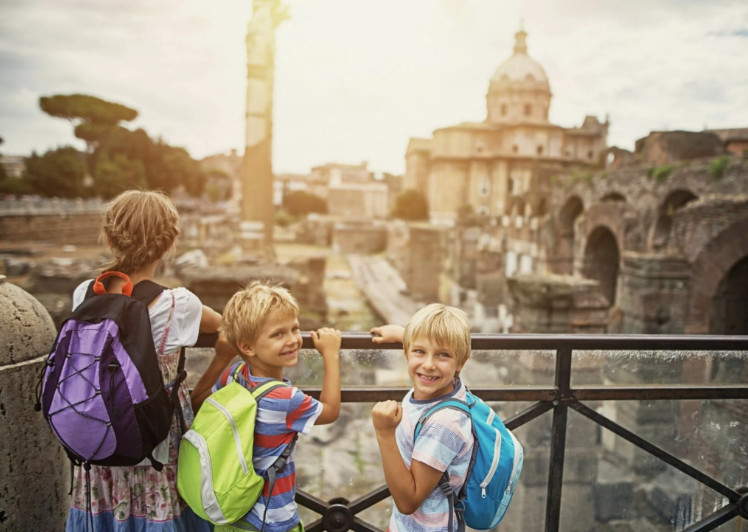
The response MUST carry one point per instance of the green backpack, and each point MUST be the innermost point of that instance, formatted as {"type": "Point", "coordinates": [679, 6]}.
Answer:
{"type": "Point", "coordinates": [215, 475]}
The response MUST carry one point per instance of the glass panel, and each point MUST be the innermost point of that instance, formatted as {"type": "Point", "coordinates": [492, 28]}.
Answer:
{"type": "Point", "coordinates": [527, 509]}
{"type": "Point", "coordinates": [510, 368]}
{"type": "Point", "coordinates": [361, 367]}
{"type": "Point", "coordinates": [632, 368]}
{"type": "Point", "coordinates": [342, 460]}
{"type": "Point", "coordinates": [611, 484]}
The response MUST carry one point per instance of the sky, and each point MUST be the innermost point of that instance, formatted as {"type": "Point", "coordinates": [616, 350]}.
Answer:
{"type": "Point", "coordinates": [355, 79]}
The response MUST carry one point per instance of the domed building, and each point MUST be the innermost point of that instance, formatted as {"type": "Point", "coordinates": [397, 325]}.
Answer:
{"type": "Point", "coordinates": [493, 165]}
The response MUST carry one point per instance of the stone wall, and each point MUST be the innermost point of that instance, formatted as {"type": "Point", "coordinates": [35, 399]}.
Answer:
{"type": "Point", "coordinates": [61, 228]}
{"type": "Point", "coordinates": [34, 471]}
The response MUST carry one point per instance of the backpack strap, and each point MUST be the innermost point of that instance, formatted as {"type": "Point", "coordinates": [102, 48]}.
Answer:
{"type": "Point", "coordinates": [258, 393]}
{"type": "Point", "coordinates": [444, 485]}
{"type": "Point", "coordinates": [145, 291]}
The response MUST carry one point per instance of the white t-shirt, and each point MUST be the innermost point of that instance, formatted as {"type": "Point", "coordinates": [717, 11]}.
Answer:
{"type": "Point", "coordinates": [445, 443]}
{"type": "Point", "coordinates": [185, 324]}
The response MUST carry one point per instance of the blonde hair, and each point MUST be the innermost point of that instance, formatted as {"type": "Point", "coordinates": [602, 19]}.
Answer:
{"type": "Point", "coordinates": [140, 227]}
{"type": "Point", "coordinates": [246, 312]}
{"type": "Point", "coordinates": [447, 326]}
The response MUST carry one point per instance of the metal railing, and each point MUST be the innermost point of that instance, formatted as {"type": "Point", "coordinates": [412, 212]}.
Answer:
{"type": "Point", "coordinates": [339, 514]}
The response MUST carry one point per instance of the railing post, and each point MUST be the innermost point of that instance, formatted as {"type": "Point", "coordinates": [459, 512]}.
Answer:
{"type": "Point", "coordinates": [558, 440]}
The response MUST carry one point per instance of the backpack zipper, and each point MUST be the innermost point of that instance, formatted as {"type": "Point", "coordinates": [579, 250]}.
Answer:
{"type": "Point", "coordinates": [113, 366]}
{"type": "Point", "coordinates": [234, 430]}
{"type": "Point", "coordinates": [494, 462]}
{"type": "Point", "coordinates": [517, 446]}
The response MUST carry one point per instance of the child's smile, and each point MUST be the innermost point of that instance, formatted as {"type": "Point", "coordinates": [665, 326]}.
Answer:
{"type": "Point", "coordinates": [432, 369]}
{"type": "Point", "coordinates": [276, 347]}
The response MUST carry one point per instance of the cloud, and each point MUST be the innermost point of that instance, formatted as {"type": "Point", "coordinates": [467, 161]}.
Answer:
{"type": "Point", "coordinates": [355, 80]}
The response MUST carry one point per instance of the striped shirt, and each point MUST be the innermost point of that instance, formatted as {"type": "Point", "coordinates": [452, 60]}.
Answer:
{"type": "Point", "coordinates": [283, 412]}
{"type": "Point", "coordinates": [444, 443]}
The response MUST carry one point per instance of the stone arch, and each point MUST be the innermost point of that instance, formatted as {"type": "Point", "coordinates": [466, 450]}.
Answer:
{"type": "Point", "coordinates": [602, 258]}
{"type": "Point", "coordinates": [664, 223]}
{"type": "Point", "coordinates": [567, 216]}
{"type": "Point", "coordinates": [614, 196]}
{"type": "Point", "coordinates": [719, 262]}
{"type": "Point", "coordinates": [729, 312]}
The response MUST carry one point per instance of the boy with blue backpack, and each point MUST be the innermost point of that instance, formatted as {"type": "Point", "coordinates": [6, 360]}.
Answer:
{"type": "Point", "coordinates": [448, 459]}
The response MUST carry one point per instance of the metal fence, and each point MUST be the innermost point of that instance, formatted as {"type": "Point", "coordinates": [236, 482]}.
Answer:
{"type": "Point", "coordinates": [339, 514]}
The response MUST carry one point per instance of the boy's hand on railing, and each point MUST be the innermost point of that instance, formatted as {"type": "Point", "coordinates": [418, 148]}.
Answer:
{"type": "Point", "coordinates": [387, 334]}
{"type": "Point", "coordinates": [327, 341]}
{"type": "Point", "coordinates": [386, 416]}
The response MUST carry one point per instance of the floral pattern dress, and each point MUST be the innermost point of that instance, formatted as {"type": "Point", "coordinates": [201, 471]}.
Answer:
{"type": "Point", "coordinates": [140, 498]}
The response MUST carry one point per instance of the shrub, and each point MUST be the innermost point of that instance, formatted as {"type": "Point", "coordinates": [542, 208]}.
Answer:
{"type": "Point", "coordinates": [718, 165]}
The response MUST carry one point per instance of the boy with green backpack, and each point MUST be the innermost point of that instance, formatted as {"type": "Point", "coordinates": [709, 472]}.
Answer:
{"type": "Point", "coordinates": [236, 464]}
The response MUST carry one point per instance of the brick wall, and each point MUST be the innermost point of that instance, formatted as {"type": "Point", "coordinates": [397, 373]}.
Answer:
{"type": "Point", "coordinates": [65, 228]}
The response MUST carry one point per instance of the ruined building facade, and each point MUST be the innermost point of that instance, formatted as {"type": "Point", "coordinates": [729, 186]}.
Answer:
{"type": "Point", "coordinates": [546, 229]}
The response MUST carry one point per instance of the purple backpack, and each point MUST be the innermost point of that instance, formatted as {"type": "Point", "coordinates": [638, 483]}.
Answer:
{"type": "Point", "coordinates": [103, 394]}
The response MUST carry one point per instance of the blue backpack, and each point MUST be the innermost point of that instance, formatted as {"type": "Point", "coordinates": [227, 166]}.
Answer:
{"type": "Point", "coordinates": [494, 468]}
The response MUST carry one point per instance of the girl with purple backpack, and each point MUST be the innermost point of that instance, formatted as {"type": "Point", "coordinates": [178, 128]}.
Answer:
{"type": "Point", "coordinates": [140, 228]}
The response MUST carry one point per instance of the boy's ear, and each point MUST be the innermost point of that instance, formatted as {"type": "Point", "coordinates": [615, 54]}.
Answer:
{"type": "Point", "coordinates": [459, 368]}
{"type": "Point", "coordinates": [245, 348]}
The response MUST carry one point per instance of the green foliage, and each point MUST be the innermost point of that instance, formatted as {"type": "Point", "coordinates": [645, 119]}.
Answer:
{"type": "Point", "coordinates": [58, 173]}
{"type": "Point", "coordinates": [581, 176]}
{"type": "Point", "coordinates": [14, 185]}
{"type": "Point", "coordinates": [718, 165]}
{"type": "Point", "coordinates": [164, 167]}
{"type": "Point", "coordinates": [660, 173]}
{"type": "Point", "coordinates": [411, 205]}
{"type": "Point", "coordinates": [120, 159]}
{"type": "Point", "coordinates": [300, 202]}
{"type": "Point", "coordinates": [86, 108]}
{"type": "Point", "coordinates": [116, 174]}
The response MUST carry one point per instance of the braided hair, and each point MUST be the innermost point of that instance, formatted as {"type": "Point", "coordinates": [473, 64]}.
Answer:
{"type": "Point", "coordinates": [140, 227]}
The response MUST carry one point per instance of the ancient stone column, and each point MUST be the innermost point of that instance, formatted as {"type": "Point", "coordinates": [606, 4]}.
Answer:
{"type": "Point", "coordinates": [34, 471]}
{"type": "Point", "coordinates": [257, 169]}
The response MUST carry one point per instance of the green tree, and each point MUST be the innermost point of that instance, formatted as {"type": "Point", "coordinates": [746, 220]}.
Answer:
{"type": "Point", "coordinates": [300, 202]}
{"type": "Point", "coordinates": [94, 117]}
{"type": "Point", "coordinates": [411, 205]}
{"type": "Point", "coordinates": [118, 158]}
{"type": "Point", "coordinates": [58, 172]}
{"type": "Point", "coordinates": [116, 174]}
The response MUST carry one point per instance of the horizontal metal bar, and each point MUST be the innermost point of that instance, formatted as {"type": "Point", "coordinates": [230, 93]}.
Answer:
{"type": "Point", "coordinates": [356, 394]}
{"type": "Point", "coordinates": [361, 394]}
{"type": "Point", "coordinates": [660, 391]}
{"type": "Point", "coordinates": [652, 449]}
{"type": "Point", "coordinates": [552, 342]}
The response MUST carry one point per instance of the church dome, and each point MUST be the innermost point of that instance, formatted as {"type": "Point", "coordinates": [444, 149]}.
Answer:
{"type": "Point", "coordinates": [520, 66]}
{"type": "Point", "coordinates": [519, 89]}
